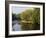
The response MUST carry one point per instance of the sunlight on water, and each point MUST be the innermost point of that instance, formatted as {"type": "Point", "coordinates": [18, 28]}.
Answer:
{"type": "Point", "coordinates": [16, 26]}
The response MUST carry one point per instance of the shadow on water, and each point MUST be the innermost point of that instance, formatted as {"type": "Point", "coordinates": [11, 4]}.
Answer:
{"type": "Point", "coordinates": [29, 26]}
{"type": "Point", "coordinates": [17, 26]}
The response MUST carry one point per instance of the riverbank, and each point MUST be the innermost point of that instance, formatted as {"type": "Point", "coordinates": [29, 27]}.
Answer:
{"type": "Point", "coordinates": [23, 21]}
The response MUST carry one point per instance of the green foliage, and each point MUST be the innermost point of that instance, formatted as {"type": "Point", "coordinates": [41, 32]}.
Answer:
{"type": "Point", "coordinates": [31, 15]}
{"type": "Point", "coordinates": [19, 18]}
{"type": "Point", "coordinates": [26, 15]}
{"type": "Point", "coordinates": [36, 16]}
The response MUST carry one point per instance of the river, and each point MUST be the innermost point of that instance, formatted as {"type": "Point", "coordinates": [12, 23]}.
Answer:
{"type": "Point", "coordinates": [16, 26]}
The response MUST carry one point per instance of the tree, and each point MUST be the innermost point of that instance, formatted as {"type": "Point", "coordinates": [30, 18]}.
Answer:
{"type": "Point", "coordinates": [36, 16]}
{"type": "Point", "coordinates": [14, 17]}
{"type": "Point", "coordinates": [26, 15]}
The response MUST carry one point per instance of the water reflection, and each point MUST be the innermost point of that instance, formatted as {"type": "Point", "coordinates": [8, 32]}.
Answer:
{"type": "Point", "coordinates": [19, 26]}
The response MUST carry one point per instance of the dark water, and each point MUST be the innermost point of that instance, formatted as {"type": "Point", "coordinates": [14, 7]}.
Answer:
{"type": "Point", "coordinates": [17, 26]}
